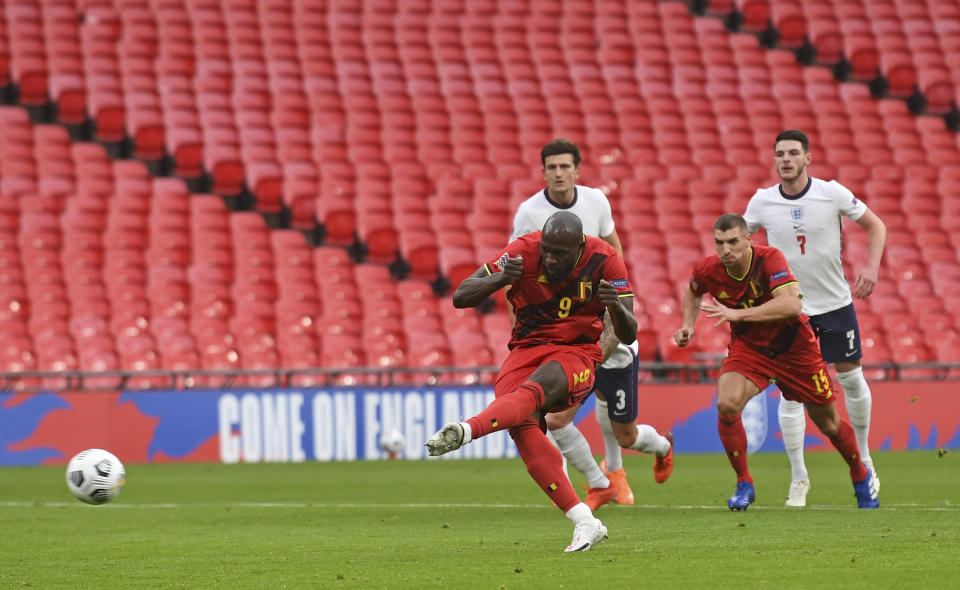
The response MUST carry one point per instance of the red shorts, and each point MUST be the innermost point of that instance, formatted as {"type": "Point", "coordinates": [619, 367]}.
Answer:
{"type": "Point", "coordinates": [578, 362]}
{"type": "Point", "coordinates": [800, 377]}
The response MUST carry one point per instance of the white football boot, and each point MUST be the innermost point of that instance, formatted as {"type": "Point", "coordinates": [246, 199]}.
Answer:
{"type": "Point", "coordinates": [449, 438]}
{"type": "Point", "coordinates": [797, 497]}
{"type": "Point", "coordinates": [587, 534]}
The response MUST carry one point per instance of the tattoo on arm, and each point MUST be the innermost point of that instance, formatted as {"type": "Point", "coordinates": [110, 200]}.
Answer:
{"type": "Point", "coordinates": [608, 339]}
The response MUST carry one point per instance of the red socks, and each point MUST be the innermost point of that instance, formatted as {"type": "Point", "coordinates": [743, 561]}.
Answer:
{"type": "Point", "coordinates": [508, 410]}
{"type": "Point", "coordinates": [845, 441]}
{"type": "Point", "coordinates": [734, 439]}
{"type": "Point", "coordinates": [544, 464]}
{"type": "Point", "coordinates": [543, 460]}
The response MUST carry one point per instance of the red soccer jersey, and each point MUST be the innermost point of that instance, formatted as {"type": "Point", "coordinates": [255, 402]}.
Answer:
{"type": "Point", "coordinates": [768, 271]}
{"type": "Point", "coordinates": [566, 312]}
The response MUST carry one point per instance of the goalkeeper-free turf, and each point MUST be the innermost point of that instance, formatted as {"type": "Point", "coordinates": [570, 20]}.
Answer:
{"type": "Point", "coordinates": [479, 524]}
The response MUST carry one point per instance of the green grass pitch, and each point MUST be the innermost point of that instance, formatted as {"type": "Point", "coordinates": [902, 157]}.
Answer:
{"type": "Point", "coordinates": [478, 524]}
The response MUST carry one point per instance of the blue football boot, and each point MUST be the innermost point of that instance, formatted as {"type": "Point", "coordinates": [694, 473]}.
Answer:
{"type": "Point", "coordinates": [867, 491]}
{"type": "Point", "coordinates": [743, 497]}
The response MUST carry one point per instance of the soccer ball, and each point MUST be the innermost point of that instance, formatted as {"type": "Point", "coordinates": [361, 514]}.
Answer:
{"type": "Point", "coordinates": [95, 476]}
{"type": "Point", "coordinates": [392, 442]}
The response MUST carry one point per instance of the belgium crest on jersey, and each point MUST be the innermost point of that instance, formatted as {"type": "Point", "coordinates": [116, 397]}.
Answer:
{"type": "Point", "coordinates": [586, 289]}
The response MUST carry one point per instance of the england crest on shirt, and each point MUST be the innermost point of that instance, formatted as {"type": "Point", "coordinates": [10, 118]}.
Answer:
{"type": "Point", "coordinates": [796, 214]}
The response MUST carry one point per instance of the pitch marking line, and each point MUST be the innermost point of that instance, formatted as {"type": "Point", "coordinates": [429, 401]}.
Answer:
{"type": "Point", "coordinates": [362, 506]}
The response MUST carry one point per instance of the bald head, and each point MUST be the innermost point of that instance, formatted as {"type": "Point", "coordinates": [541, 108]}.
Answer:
{"type": "Point", "coordinates": [563, 226]}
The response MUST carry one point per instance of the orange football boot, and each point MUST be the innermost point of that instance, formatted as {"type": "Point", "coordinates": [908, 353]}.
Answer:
{"type": "Point", "coordinates": [663, 466]}
{"type": "Point", "coordinates": [618, 479]}
{"type": "Point", "coordinates": [597, 497]}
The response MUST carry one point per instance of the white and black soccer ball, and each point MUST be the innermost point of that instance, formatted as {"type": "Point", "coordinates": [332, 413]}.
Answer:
{"type": "Point", "coordinates": [95, 476]}
{"type": "Point", "coordinates": [392, 442]}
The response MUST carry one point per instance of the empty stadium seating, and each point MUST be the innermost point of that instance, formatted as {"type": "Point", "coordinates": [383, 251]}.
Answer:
{"type": "Point", "coordinates": [408, 134]}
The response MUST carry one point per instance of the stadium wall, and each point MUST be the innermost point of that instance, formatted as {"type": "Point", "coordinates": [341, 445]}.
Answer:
{"type": "Point", "coordinates": [232, 426]}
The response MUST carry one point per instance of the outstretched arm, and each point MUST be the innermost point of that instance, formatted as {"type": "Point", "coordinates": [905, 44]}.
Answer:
{"type": "Point", "coordinates": [481, 284]}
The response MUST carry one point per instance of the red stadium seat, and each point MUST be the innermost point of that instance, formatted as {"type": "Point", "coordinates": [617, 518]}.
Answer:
{"type": "Point", "coordinates": [755, 14]}
{"type": "Point", "coordinates": [790, 22]}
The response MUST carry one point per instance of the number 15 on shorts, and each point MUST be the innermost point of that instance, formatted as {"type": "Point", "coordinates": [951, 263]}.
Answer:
{"type": "Point", "coordinates": [822, 382]}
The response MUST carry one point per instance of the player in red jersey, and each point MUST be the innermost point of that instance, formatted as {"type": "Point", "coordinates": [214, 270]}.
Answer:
{"type": "Point", "coordinates": [563, 284]}
{"type": "Point", "coordinates": [771, 341]}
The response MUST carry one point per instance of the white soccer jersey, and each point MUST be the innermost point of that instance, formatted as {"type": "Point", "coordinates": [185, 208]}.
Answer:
{"type": "Point", "coordinates": [593, 209]}
{"type": "Point", "coordinates": [589, 204]}
{"type": "Point", "coordinates": [807, 229]}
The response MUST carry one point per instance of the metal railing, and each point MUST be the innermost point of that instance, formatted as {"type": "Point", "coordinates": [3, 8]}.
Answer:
{"type": "Point", "coordinates": [164, 379]}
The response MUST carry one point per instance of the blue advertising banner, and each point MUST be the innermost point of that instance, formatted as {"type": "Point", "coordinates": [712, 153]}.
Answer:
{"type": "Point", "coordinates": [347, 424]}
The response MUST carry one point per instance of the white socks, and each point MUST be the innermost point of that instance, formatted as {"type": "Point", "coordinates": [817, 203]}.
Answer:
{"type": "Point", "coordinates": [576, 449]}
{"type": "Point", "coordinates": [579, 513]}
{"type": "Point", "coordinates": [650, 441]}
{"type": "Point", "coordinates": [859, 401]}
{"type": "Point", "coordinates": [793, 426]}
{"type": "Point", "coordinates": [793, 422]}
{"type": "Point", "coordinates": [553, 441]}
{"type": "Point", "coordinates": [614, 455]}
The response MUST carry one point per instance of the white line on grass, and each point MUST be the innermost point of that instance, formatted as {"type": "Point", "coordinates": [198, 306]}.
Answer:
{"type": "Point", "coordinates": [418, 505]}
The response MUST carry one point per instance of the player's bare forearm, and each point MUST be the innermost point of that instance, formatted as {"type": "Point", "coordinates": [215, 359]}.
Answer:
{"type": "Point", "coordinates": [876, 238]}
{"type": "Point", "coordinates": [869, 275]}
{"type": "Point", "coordinates": [608, 339]}
{"type": "Point", "coordinates": [482, 283]}
{"type": "Point", "coordinates": [620, 311]}
{"type": "Point", "coordinates": [690, 308]}
{"type": "Point", "coordinates": [624, 324]}
{"type": "Point", "coordinates": [474, 290]}
{"type": "Point", "coordinates": [780, 308]}
{"type": "Point", "coordinates": [784, 305]}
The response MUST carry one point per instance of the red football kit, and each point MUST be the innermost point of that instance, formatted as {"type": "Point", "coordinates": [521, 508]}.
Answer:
{"type": "Point", "coordinates": [784, 351]}
{"type": "Point", "coordinates": [558, 321]}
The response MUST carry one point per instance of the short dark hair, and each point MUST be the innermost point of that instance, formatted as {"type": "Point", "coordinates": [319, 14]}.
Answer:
{"type": "Point", "coordinates": [560, 146]}
{"type": "Point", "coordinates": [795, 135]}
{"type": "Point", "coordinates": [729, 221]}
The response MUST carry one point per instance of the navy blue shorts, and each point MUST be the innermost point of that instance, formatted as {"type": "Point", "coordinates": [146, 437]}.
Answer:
{"type": "Point", "coordinates": [619, 388]}
{"type": "Point", "coordinates": [839, 335]}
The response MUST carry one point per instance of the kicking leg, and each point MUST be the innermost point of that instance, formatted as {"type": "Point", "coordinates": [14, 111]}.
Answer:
{"type": "Point", "coordinates": [545, 388]}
